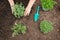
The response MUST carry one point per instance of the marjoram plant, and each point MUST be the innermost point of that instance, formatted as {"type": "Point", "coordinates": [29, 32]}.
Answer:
{"type": "Point", "coordinates": [47, 4]}
{"type": "Point", "coordinates": [18, 28]}
{"type": "Point", "coordinates": [46, 26]}
{"type": "Point", "coordinates": [18, 10]}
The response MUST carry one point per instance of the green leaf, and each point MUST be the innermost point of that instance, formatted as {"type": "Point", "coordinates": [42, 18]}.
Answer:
{"type": "Point", "coordinates": [48, 4]}
{"type": "Point", "coordinates": [46, 26]}
{"type": "Point", "coordinates": [18, 28]}
{"type": "Point", "coordinates": [18, 10]}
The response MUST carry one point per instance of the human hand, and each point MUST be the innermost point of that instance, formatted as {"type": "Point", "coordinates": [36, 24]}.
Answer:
{"type": "Point", "coordinates": [28, 8]}
{"type": "Point", "coordinates": [27, 11]}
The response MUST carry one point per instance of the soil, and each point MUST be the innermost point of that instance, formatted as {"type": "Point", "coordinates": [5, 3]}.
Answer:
{"type": "Point", "coordinates": [33, 32]}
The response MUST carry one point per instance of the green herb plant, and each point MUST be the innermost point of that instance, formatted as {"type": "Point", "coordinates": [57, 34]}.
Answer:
{"type": "Point", "coordinates": [46, 26]}
{"type": "Point", "coordinates": [18, 10]}
{"type": "Point", "coordinates": [47, 4]}
{"type": "Point", "coordinates": [18, 28]}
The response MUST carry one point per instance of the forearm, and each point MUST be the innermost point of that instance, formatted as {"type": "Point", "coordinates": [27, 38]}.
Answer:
{"type": "Point", "coordinates": [28, 8]}
{"type": "Point", "coordinates": [30, 4]}
{"type": "Point", "coordinates": [11, 2]}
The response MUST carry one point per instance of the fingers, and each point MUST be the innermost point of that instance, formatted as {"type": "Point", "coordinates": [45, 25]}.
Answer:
{"type": "Point", "coordinates": [28, 8]}
{"type": "Point", "coordinates": [27, 12]}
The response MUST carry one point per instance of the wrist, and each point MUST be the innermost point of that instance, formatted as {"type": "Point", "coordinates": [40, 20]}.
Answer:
{"type": "Point", "coordinates": [11, 2]}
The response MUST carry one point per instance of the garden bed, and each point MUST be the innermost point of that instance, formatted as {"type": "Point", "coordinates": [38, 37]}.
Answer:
{"type": "Point", "coordinates": [33, 32]}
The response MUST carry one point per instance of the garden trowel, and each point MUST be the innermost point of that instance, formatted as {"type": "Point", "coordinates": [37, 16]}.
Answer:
{"type": "Point", "coordinates": [37, 14]}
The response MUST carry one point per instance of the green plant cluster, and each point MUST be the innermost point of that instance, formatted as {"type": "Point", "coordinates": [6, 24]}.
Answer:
{"type": "Point", "coordinates": [48, 4]}
{"type": "Point", "coordinates": [46, 26]}
{"type": "Point", "coordinates": [18, 10]}
{"type": "Point", "coordinates": [18, 28]}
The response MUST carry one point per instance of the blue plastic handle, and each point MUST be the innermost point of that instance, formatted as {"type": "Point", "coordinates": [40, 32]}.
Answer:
{"type": "Point", "coordinates": [36, 15]}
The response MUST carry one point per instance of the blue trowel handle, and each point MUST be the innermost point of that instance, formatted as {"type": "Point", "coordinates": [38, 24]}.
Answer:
{"type": "Point", "coordinates": [36, 15]}
{"type": "Point", "coordinates": [37, 9]}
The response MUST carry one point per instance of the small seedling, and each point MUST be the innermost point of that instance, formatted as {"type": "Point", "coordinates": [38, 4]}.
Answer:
{"type": "Point", "coordinates": [46, 26]}
{"type": "Point", "coordinates": [18, 28]}
{"type": "Point", "coordinates": [18, 10]}
{"type": "Point", "coordinates": [47, 4]}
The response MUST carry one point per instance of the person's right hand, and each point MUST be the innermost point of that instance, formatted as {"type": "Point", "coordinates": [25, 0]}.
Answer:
{"type": "Point", "coordinates": [28, 8]}
{"type": "Point", "coordinates": [27, 11]}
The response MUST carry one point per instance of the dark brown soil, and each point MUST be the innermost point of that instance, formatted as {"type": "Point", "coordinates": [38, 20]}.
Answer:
{"type": "Point", "coordinates": [33, 32]}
